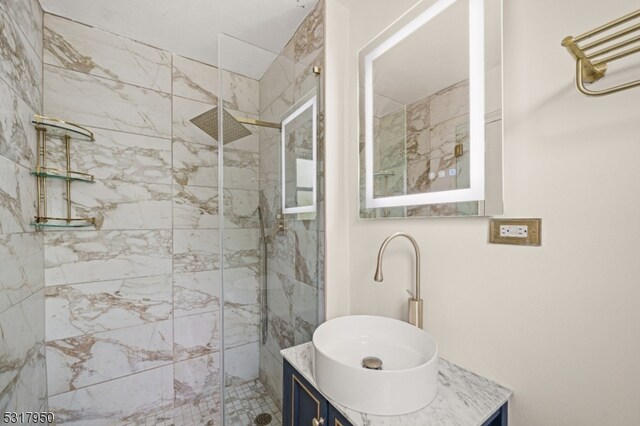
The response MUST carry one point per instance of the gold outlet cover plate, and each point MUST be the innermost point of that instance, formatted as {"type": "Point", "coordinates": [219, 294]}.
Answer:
{"type": "Point", "coordinates": [532, 237]}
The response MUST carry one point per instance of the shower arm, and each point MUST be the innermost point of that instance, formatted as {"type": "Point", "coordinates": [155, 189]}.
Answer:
{"type": "Point", "coordinates": [261, 123]}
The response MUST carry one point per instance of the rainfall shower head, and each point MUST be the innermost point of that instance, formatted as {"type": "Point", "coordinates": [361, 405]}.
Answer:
{"type": "Point", "coordinates": [232, 128]}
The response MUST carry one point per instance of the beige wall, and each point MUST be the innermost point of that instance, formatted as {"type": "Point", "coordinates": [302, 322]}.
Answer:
{"type": "Point", "coordinates": [559, 324]}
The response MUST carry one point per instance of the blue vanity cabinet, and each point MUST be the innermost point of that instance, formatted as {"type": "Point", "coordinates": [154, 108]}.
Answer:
{"type": "Point", "coordinates": [335, 418]}
{"type": "Point", "coordinates": [499, 418]}
{"type": "Point", "coordinates": [302, 403]}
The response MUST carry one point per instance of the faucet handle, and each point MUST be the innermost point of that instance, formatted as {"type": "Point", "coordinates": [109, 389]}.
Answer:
{"type": "Point", "coordinates": [412, 294]}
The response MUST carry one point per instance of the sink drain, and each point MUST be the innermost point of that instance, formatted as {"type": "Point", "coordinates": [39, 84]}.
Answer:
{"type": "Point", "coordinates": [372, 363]}
{"type": "Point", "coordinates": [262, 419]}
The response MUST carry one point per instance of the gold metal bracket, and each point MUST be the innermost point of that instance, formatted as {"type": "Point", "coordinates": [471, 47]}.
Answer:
{"type": "Point", "coordinates": [591, 66]}
{"type": "Point", "coordinates": [261, 123]}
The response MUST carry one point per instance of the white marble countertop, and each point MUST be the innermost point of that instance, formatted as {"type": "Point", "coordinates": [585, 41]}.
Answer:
{"type": "Point", "coordinates": [463, 399]}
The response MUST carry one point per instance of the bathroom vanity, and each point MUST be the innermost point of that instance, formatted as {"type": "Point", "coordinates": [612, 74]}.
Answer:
{"type": "Point", "coordinates": [463, 398]}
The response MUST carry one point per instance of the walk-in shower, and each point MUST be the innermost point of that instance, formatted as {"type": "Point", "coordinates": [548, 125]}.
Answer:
{"type": "Point", "coordinates": [270, 275]}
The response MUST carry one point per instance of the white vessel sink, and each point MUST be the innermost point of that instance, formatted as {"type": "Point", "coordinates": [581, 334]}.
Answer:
{"type": "Point", "coordinates": [408, 380]}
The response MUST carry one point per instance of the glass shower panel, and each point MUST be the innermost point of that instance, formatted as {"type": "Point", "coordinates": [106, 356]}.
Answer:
{"type": "Point", "coordinates": [272, 263]}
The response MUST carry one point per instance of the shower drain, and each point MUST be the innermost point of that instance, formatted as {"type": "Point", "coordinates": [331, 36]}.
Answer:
{"type": "Point", "coordinates": [262, 419]}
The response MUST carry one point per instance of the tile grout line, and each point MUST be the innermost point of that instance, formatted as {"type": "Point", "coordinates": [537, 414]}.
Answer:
{"type": "Point", "coordinates": [26, 37]}
{"type": "Point", "coordinates": [173, 302]}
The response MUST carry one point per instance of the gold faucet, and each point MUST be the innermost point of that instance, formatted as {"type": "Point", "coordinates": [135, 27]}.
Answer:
{"type": "Point", "coordinates": [415, 302]}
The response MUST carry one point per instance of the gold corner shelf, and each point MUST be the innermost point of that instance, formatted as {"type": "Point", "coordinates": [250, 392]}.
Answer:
{"type": "Point", "coordinates": [46, 126]}
{"type": "Point", "coordinates": [61, 128]}
{"type": "Point", "coordinates": [63, 222]}
{"type": "Point", "coordinates": [48, 172]}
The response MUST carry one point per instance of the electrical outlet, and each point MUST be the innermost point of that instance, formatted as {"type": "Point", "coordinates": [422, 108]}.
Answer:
{"type": "Point", "coordinates": [524, 232]}
{"type": "Point", "coordinates": [516, 231]}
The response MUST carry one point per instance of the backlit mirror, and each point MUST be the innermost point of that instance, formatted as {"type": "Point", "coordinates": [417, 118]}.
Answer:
{"type": "Point", "coordinates": [299, 140]}
{"type": "Point", "coordinates": [431, 112]}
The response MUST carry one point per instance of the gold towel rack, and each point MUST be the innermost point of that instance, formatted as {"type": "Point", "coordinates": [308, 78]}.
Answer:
{"type": "Point", "coordinates": [592, 65]}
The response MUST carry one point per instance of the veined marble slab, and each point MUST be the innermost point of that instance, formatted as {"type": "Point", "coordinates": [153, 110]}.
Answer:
{"type": "Point", "coordinates": [20, 65]}
{"type": "Point", "coordinates": [195, 80]}
{"type": "Point", "coordinates": [88, 256]}
{"type": "Point", "coordinates": [85, 49]}
{"type": "Point", "coordinates": [74, 310]}
{"type": "Point", "coordinates": [196, 335]}
{"type": "Point", "coordinates": [271, 373]}
{"type": "Point", "coordinates": [241, 169]}
{"type": "Point", "coordinates": [305, 309]}
{"type": "Point", "coordinates": [22, 266]}
{"type": "Point", "coordinates": [280, 294]}
{"type": "Point", "coordinates": [241, 208]}
{"type": "Point", "coordinates": [108, 104]}
{"type": "Point", "coordinates": [117, 401]}
{"type": "Point", "coordinates": [281, 260]}
{"type": "Point", "coordinates": [418, 130]}
{"type": "Point", "coordinates": [274, 82]}
{"type": "Point", "coordinates": [463, 397]}
{"type": "Point", "coordinates": [27, 391]}
{"type": "Point", "coordinates": [281, 335]}
{"type": "Point", "coordinates": [275, 110]}
{"type": "Point", "coordinates": [17, 134]}
{"type": "Point", "coordinates": [241, 325]}
{"type": "Point", "coordinates": [195, 164]}
{"type": "Point", "coordinates": [241, 364]}
{"type": "Point", "coordinates": [196, 292]}
{"type": "Point", "coordinates": [27, 14]}
{"type": "Point", "coordinates": [117, 156]}
{"type": "Point", "coordinates": [306, 80]}
{"type": "Point", "coordinates": [195, 207]}
{"type": "Point", "coordinates": [81, 361]}
{"type": "Point", "coordinates": [306, 255]}
{"type": "Point", "coordinates": [308, 39]}
{"type": "Point", "coordinates": [195, 250]}
{"type": "Point", "coordinates": [17, 198]}
{"type": "Point", "coordinates": [241, 247]}
{"type": "Point", "coordinates": [196, 377]}
{"type": "Point", "coordinates": [269, 160]}
{"type": "Point", "coordinates": [241, 93]}
{"type": "Point", "coordinates": [241, 287]}
{"type": "Point", "coordinates": [443, 136]}
{"type": "Point", "coordinates": [450, 102]}
{"type": "Point", "coordinates": [115, 204]}
{"type": "Point", "coordinates": [21, 342]}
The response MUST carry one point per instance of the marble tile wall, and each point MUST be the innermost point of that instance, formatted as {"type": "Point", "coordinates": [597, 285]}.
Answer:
{"type": "Point", "coordinates": [109, 291]}
{"type": "Point", "coordinates": [295, 256]}
{"type": "Point", "coordinates": [22, 323]}
{"type": "Point", "coordinates": [132, 308]}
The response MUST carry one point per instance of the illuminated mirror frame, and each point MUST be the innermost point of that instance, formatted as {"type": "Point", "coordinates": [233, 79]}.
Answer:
{"type": "Point", "coordinates": [476, 111]}
{"type": "Point", "coordinates": [313, 104]}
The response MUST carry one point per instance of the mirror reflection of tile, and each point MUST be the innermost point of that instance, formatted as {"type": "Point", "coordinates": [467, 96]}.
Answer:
{"type": "Point", "coordinates": [415, 151]}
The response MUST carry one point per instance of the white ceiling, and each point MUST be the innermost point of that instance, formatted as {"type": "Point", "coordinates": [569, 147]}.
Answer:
{"type": "Point", "coordinates": [190, 27]}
